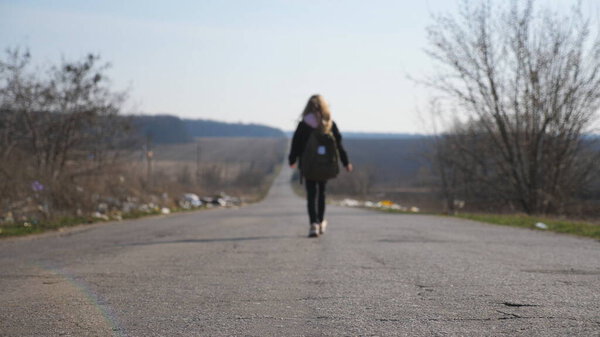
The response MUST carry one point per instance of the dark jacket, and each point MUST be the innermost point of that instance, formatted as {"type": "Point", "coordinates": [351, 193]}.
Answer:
{"type": "Point", "coordinates": [300, 139]}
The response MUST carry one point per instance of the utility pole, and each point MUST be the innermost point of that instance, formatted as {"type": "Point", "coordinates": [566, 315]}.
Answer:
{"type": "Point", "coordinates": [197, 163]}
{"type": "Point", "coordinates": [149, 156]}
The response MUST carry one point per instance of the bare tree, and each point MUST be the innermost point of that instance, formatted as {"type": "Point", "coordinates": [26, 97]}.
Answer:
{"type": "Point", "coordinates": [57, 127]}
{"type": "Point", "coordinates": [527, 84]}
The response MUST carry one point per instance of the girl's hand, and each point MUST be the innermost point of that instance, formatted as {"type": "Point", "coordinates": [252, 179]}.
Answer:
{"type": "Point", "coordinates": [293, 166]}
{"type": "Point", "coordinates": [349, 168]}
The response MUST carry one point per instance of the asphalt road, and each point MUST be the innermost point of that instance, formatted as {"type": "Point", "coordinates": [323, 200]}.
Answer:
{"type": "Point", "coordinates": [253, 272]}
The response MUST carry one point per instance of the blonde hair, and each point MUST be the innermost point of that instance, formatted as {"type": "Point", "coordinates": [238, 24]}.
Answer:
{"type": "Point", "coordinates": [319, 107]}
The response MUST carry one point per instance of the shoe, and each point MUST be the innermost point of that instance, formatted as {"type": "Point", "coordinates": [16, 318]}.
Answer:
{"type": "Point", "coordinates": [322, 227]}
{"type": "Point", "coordinates": [314, 230]}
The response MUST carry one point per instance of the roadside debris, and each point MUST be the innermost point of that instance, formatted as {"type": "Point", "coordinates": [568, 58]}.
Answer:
{"type": "Point", "coordinates": [350, 203]}
{"type": "Point", "coordinates": [189, 200]}
{"type": "Point", "coordinates": [30, 212]}
{"type": "Point", "coordinates": [541, 225]}
{"type": "Point", "coordinates": [383, 204]}
{"type": "Point", "coordinates": [100, 216]}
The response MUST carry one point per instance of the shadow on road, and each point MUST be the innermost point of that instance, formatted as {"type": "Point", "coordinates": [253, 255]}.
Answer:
{"type": "Point", "coordinates": [254, 238]}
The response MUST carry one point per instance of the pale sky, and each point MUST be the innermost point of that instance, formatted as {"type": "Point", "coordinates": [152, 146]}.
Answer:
{"type": "Point", "coordinates": [245, 61]}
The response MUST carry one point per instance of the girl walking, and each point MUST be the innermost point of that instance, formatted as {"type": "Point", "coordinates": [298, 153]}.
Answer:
{"type": "Point", "coordinates": [316, 123]}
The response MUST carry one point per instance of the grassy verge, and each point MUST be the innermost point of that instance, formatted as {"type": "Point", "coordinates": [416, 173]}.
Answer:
{"type": "Point", "coordinates": [579, 228]}
{"type": "Point", "coordinates": [526, 221]}
{"type": "Point", "coordinates": [26, 228]}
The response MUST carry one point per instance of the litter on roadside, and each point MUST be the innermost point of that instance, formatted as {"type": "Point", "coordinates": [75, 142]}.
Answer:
{"type": "Point", "coordinates": [383, 204]}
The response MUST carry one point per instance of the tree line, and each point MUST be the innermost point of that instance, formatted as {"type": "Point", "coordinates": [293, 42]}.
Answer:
{"type": "Point", "coordinates": [167, 129]}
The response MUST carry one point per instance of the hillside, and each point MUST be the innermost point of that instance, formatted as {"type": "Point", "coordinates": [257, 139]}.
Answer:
{"type": "Point", "coordinates": [167, 129]}
{"type": "Point", "coordinates": [161, 129]}
{"type": "Point", "coordinates": [208, 128]}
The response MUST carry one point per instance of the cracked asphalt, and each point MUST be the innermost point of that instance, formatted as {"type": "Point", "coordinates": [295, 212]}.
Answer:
{"type": "Point", "coordinates": [253, 272]}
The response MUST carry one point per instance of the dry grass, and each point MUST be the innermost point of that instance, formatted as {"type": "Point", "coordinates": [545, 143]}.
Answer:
{"type": "Point", "coordinates": [238, 167]}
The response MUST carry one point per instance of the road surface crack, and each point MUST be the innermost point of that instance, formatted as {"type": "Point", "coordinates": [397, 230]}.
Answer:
{"type": "Point", "coordinates": [378, 260]}
{"type": "Point", "coordinates": [510, 315]}
{"type": "Point", "coordinates": [458, 319]}
{"type": "Point", "coordinates": [425, 288]}
{"type": "Point", "coordinates": [512, 304]}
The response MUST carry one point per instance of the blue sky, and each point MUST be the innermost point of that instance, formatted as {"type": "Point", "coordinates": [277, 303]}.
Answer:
{"type": "Point", "coordinates": [248, 61]}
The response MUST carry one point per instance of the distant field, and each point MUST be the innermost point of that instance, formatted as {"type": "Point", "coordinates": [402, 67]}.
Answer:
{"type": "Point", "coordinates": [223, 150]}
{"type": "Point", "coordinates": [392, 163]}
{"type": "Point", "coordinates": [387, 169]}
{"type": "Point", "coordinates": [241, 167]}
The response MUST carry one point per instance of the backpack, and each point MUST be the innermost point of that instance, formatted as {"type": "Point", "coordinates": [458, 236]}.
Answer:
{"type": "Point", "coordinates": [320, 157]}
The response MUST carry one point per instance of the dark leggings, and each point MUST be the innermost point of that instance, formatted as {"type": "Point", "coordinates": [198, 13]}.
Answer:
{"type": "Point", "coordinates": [315, 197]}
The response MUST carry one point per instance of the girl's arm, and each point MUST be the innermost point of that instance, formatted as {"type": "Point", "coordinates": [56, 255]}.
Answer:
{"type": "Point", "coordinates": [296, 149]}
{"type": "Point", "coordinates": [341, 150]}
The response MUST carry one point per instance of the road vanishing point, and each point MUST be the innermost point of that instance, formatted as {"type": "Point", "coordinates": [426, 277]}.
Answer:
{"type": "Point", "coordinates": [252, 271]}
